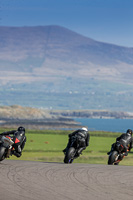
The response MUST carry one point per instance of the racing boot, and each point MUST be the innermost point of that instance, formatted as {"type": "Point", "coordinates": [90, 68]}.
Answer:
{"type": "Point", "coordinates": [80, 150]}
{"type": "Point", "coordinates": [116, 163]}
{"type": "Point", "coordinates": [17, 154]}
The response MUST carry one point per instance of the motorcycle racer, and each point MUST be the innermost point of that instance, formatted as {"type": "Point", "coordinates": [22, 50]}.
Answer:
{"type": "Point", "coordinates": [126, 140]}
{"type": "Point", "coordinates": [18, 138]}
{"type": "Point", "coordinates": [84, 139]}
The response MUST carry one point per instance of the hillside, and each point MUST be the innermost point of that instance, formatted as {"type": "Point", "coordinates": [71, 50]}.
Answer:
{"type": "Point", "coordinates": [36, 53]}
{"type": "Point", "coordinates": [33, 118]}
{"type": "Point", "coordinates": [54, 67]}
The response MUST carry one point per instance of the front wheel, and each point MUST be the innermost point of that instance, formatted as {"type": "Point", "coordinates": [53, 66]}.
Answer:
{"type": "Point", "coordinates": [113, 157]}
{"type": "Point", "coordinates": [69, 155]}
{"type": "Point", "coordinates": [2, 153]}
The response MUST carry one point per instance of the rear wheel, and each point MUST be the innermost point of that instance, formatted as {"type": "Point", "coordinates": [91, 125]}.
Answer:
{"type": "Point", "coordinates": [69, 155]}
{"type": "Point", "coordinates": [112, 158]}
{"type": "Point", "coordinates": [2, 153]}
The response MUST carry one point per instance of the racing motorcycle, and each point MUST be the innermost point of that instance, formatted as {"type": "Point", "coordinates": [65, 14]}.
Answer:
{"type": "Point", "coordinates": [6, 147]}
{"type": "Point", "coordinates": [72, 151]}
{"type": "Point", "coordinates": [117, 154]}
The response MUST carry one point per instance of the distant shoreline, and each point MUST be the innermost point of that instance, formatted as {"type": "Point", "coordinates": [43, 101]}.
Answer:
{"type": "Point", "coordinates": [33, 118]}
{"type": "Point", "coordinates": [92, 114]}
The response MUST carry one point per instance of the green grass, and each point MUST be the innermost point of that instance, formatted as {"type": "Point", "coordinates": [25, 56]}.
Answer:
{"type": "Point", "coordinates": [47, 146]}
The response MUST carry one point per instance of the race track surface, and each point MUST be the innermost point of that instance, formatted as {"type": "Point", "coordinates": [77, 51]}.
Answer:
{"type": "Point", "coordinates": [27, 180]}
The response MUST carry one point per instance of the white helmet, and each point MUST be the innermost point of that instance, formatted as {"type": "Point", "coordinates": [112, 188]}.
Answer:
{"type": "Point", "coordinates": [84, 129]}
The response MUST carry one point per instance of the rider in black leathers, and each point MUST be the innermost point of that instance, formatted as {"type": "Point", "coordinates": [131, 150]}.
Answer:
{"type": "Point", "coordinates": [126, 140]}
{"type": "Point", "coordinates": [18, 138]}
{"type": "Point", "coordinates": [84, 142]}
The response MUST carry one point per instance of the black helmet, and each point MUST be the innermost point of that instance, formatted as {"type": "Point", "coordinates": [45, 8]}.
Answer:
{"type": "Point", "coordinates": [129, 131]}
{"type": "Point", "coordinates": [21, 129]}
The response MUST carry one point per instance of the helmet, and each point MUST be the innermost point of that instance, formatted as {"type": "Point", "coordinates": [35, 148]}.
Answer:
{"type": "Point", "coordinates": [21, 129]}
{"type": "Point", "coordinates": [84, 129]}
{"type": "Point", "coordinates": [129, 131]}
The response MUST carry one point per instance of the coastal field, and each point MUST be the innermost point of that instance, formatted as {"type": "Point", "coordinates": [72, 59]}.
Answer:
{"type": "Point", "coordinates": [47, 146]}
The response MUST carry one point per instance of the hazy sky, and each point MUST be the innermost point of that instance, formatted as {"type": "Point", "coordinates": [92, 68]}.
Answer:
{"type": "Point", "coordinates": [109, 21]}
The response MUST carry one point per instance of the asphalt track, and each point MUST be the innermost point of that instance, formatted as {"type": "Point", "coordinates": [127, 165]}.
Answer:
{"type": "Point", "coordinates": [27, 180]}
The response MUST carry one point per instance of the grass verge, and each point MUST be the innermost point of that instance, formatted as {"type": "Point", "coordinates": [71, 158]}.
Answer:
{"type": "Point", "coordinates": [47, 146]}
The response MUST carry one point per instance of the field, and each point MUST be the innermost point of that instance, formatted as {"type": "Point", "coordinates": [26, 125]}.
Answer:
{"type": "Point", "coordinates": [47, 146]}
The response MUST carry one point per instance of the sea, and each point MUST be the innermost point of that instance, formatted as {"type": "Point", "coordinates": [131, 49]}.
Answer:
{"type": "Point", "coordinates": [111, 125]}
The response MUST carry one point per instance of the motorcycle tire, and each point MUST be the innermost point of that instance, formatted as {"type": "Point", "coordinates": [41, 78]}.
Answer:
{"type": "Point", "coordinates": [2, 153]}
{"type": "Point", "coordinates": [112, 157]}
{"type": "Point", "coordinates": [69, 157]}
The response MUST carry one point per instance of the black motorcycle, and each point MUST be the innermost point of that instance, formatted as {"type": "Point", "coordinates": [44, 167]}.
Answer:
{"type": "Point", "coordinates": [72, 151]}
{"type": "Point", "coordinates": [6, 143]}
{"type": "Point", "coordinates": [117, 154]}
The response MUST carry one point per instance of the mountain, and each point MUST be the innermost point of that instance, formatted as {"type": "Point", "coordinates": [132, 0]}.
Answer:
{"type": "Point", "coordinates": [62, 65]}
{"type": "Point", "coordinates": [53, 50]}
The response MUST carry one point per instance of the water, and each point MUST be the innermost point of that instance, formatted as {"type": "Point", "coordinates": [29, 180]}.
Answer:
{"type": "Point", "coordinates": [112, 125]}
